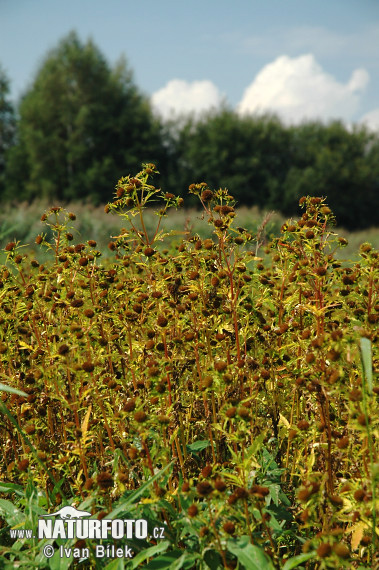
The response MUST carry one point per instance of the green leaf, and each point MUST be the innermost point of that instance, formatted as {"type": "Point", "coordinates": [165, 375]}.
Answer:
{"type": "Point", "coordinates": [251, 556]}
{"type": "Point", "coordinates": [212, 559]}
{"type": "Point", "coordinates": [117, 564]}
{"type": "Point", "coordinates": [12, 515]}
{"type": "Point", "coordinates": [367, 362]}
{"type": "Point", "coordinates": [198, 445]}
{"type": "Point", "coordinates": [12, 488]}
{"type": "Point", "coordinates": [148, 553]}
{"type": "Point", "coordinates": [132, 498]}
{"type": "Point", "coordinates": [164, 561]}
{"type": "Point", "coordinates": [187, 560]}
{"type": "Point", "coordinates": [297, 560]}
{"type": "Point", "coordinates": [5, 388]}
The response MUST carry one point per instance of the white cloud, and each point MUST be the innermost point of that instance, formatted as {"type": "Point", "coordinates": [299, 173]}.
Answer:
{"type": "Point", "coordinates": [180, 97]}
{"type": "Point", "coordinates": [299, 89]}
{"type": "Point", "coordinates": [371, 120]}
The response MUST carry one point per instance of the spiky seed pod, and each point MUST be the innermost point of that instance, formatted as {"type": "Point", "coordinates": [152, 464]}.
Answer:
{"type": "Point", "coordinates": [89, 313]}
{"type": "Point", "coordinates": [206, 471]}
{"type": "Point", "coordinates": [149, 251]}
{"type": "Point", "coordinates": [304, 494]}
{"type": "Point", "coordinates": [105, 480]}
{"type": "Point", "coordinates": [204, 488]}
{"type": "Point", "coordinates": [207, 195]}
{"type": "Point", "coordinates": [231, 412]}
{"type": "Point", "coordinates": [164, 420]}
{"type": "Point", "coordinates": [341, 550]}
{"type": "Point", "coordinates": [362, 420]}
{"type": "Point", "coordinates": [157, 294]}
{"type": "Point", "coordinates": [242, 493]}
{"type": "Point", "coordinates": [162, 321]}
{"type": "Point", "coordinates": [88, 366]}
{"type": "Point", "coordinates": [229, 527]}
{"type": "Point", "coordinates": [23, 465]}
{"type": "Point", "coordinates": [185, 487]}
{"type": "Point", "coordinates": [303, 425]}
{"type": "Point", "coordinates": [336, 500]}
{"type": "Point", "coordinates": [244, 413]}
{"type": "Point", "coordinates": [220, 365]}
{"type": "Point", "coordinates": [343, 442]}
{"type": "Point", "coordinates": [220, 485]}
{"type": "Point", "coordinates": [225, 210]}
{"type": "Point", "coordinates": [324, 550]}
{"type": "Point", "coordinates": [63, 349]}
{"type": "Point", "coordinates": [192, 511]}
{"type": "Point", "coordinates": [140, 417]}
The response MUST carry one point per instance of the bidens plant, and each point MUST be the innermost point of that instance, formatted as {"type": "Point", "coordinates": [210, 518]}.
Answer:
{"type": "Point", "coordinates": [223, 388]}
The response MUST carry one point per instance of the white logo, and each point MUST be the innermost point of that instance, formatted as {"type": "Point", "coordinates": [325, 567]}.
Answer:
{"type": "Point", "coordinates": [69, 512]}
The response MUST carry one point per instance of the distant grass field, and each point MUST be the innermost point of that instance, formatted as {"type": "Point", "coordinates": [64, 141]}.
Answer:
{"type": "Point", "coordinates": [22, 222]}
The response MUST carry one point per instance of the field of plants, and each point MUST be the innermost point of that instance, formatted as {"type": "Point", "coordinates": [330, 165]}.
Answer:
{"type": "Point", "coordinates": [222, 388]}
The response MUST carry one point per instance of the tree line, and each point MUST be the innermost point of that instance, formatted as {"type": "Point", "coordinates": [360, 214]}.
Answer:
{"type": "Point", "coordinates": [83, 124]}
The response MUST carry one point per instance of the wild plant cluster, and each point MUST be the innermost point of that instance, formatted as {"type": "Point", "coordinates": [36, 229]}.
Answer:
{"type": "Point", "coordinates": [230, 398]}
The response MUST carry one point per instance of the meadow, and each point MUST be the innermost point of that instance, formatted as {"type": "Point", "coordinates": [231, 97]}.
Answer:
{"type": "Point", "coordinates": [216, 377]}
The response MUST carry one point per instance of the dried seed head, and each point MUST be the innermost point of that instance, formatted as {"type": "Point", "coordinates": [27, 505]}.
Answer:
{"type": "Point", "coordinates": [231, 412]}
{"type": "Point", "coordinates": [23, 465]}
{"type": "Point", "coordinates": [140, 417]}
{"type": "Point", "coordinates": [220, 485]}
{"type": "Point", "coordinates": [89, 313]}
{"type": "Point", "coordinates": [229, 527]}
{"type": "Point", "coordinates": [105, 480]}
{"type": "Point", "coordinates": [220, 365]}
{"type": "Point", "coordinates": [88, 366]}
{"type": "Point", "coordinates": [88, 484]}
{"type": "Point", "coordinates": [149, 251]}
{"type": "Point", "coordinates": [341, 550]}
{"type": "Point", "coordinates": [204, 488]}
{"type": "Point", "coordinates": [359, 495]}
{"type": "Point", "coordinates": [162, 321]}
{"type": "Point", "coordinates": [304, 494]}
{"type": "Point", "coordinates": [207, 195]}
{"type": "Point", "coordinates": [303, 425]}
{"type": "Point", "coordinates": [324, 550]}
{"type": "Point", "coordinates": [343, 442]}
{"type": "Point", "coordinates": [192, 511]}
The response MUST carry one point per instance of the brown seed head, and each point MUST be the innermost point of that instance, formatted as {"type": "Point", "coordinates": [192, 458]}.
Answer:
{"type": "Point", "coordinates": [192, 511]}
{"type": "Point", "coordinates": [341, 550]}
{"type": "Point", "coordinates": [140, 417]}
{"type": "Point", "coordinates": [324, 550]}
{"type": "Point", "coordinates": [105, 480]}
{"type": "Point", "coordinates": [204, 488]}
{"type": "Point", "coordinates": [229, 527]}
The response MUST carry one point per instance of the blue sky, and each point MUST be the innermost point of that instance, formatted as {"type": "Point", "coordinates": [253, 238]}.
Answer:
{"type": "Point", "coordinates": [300, 58]}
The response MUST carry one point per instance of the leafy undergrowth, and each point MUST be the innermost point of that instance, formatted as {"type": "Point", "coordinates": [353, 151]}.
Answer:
{"type": "Point", "coordinates": [228, 399]}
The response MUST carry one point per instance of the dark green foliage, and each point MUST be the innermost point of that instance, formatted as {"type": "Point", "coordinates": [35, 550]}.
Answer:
{"type": "Point", "coordinates": [7, 125]}
{"type": "Point", "coordinates": [80, 123]}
